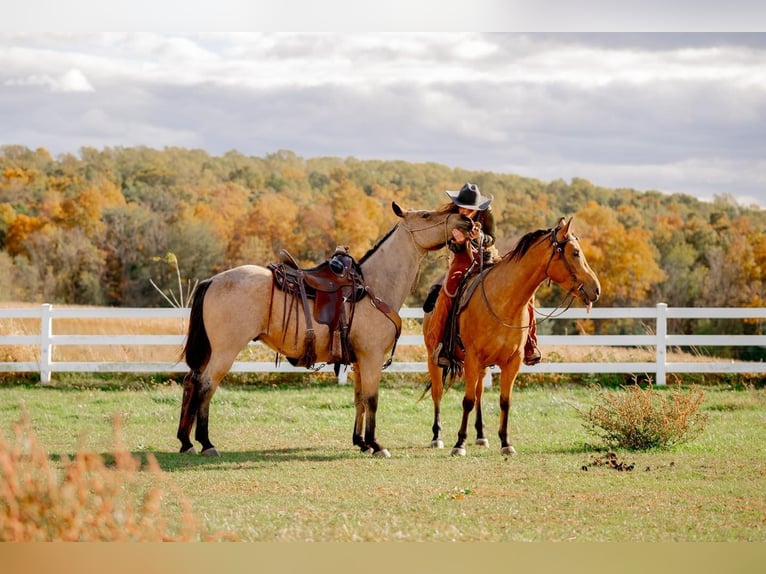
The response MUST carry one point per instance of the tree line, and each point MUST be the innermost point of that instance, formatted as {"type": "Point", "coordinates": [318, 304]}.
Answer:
{"type": "Point", "coordinates": [96, 227]}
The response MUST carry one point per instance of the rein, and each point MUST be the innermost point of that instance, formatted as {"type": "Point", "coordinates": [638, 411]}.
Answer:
{"type": "Point", "coordinates": [381, 305]}
{"type": "Point", "coordinates": [558, 248]}
{"type": "Point", "coordinates": [412, 233]}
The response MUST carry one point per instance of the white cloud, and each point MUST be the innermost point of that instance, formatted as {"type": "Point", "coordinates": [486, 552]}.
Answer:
{"type": "Point", "coordinates": [72, 81]}
{"type": "Point", "coordinates": [669, 112]}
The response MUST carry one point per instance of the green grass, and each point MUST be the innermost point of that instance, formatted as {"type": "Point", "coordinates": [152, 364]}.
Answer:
{"type": "Point", "coordinates": [288, 471]}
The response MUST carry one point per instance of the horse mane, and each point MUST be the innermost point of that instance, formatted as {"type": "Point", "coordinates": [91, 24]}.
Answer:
{"type": "Point", "coordinates": [378, 243]}
{"type": "Point", "coordinates": [525, 243]}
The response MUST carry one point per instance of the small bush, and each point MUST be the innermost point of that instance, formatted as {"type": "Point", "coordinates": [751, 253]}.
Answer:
{"type": "Point", "coordinates": [85, 499]}
{"type": "Point", "coordinates": [643, 418]}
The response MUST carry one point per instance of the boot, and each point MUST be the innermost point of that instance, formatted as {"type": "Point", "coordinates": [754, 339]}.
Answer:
{"type": "Point", "coordinates": [532, 354]}
{"type": "Point", "coordinates": [439, 356]}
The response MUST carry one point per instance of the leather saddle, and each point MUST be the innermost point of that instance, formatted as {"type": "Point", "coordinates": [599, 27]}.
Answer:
{"type": "Point", "coordinates": [331, 284]}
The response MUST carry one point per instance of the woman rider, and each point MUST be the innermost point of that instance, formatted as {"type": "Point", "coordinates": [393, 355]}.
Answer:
{"type": "Point", "coordinates": [466, 248]}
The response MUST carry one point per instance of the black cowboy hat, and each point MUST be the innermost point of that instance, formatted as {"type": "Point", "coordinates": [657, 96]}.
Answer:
{"type": "Point", "coordinates": [470, 197]}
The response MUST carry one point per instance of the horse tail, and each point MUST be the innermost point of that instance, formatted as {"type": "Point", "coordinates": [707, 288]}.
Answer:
{"type": "Point", "coordinates": [425, 391]}
{"type": "Point", "coordinates": [197, 348]}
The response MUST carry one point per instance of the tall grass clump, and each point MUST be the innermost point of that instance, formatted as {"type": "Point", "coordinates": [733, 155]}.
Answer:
{"type": "Point", "coordinates": [85, 499]}
{"type": "Point", "coordinates": [638, 418]}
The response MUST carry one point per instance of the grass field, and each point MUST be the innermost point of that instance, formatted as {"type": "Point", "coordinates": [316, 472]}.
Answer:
{"type": "Point", "coordinates": [288, 471]}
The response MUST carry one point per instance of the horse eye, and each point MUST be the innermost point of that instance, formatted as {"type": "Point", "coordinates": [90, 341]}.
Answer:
{"type": "Point", "coordinates": [576, 253]}
{"type": "Point", "coordinates": [426, 215]}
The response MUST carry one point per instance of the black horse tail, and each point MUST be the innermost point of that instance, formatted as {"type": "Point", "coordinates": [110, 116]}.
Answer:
{"type": "Point", "coordinates": [425, 391]}
{"type": "Point", "coordinates": [197, 348]}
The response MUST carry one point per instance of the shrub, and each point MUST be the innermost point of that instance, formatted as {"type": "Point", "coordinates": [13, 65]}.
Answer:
{"type": "Point", "coordinates": [644, 418]}
{"type": "Point", "coordinates": [85, 499]}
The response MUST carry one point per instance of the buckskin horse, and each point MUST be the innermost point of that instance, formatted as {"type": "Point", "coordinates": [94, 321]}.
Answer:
{"type": "Point", "coordinates": [494, 321]}
{"type": "Point", "coordinates": [241, 305]}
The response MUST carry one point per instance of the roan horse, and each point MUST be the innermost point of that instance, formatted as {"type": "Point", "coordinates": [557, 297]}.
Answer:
{"type": "Point", "coordinates": [240, 305]}
{"type": "Point", "coordinates": [494, 323]}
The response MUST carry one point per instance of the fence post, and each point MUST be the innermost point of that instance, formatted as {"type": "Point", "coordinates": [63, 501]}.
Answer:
{"type": "Point", "coordinates": [662, 337]}
{"type": "Point", "coordinates": [46, 330]}
{"type": "Point", "coordinates": [487, 382]}
{"type": "Point", "coordinates": [343, 375]}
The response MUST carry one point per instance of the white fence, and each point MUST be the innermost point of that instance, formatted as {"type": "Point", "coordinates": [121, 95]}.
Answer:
{"type": "Point", "coordinates": [661, 340]}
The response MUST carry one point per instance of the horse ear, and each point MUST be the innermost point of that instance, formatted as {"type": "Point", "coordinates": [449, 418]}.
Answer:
{"type": "Point", "coordinates": [562, 229]}
{"type": "Point", "coordinates": [397, 210]}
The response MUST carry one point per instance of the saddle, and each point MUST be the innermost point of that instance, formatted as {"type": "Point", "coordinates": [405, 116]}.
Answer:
{"type": "Point", "coordinates": [331, 285]}
{"type": "Point", "coordinates": [452, 343]}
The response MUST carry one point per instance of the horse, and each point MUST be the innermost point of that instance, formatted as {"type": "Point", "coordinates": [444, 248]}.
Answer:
{"type": "Point", "coordinates": [493, 325]}
{"type": "Point", "coordinates": [240, 305]}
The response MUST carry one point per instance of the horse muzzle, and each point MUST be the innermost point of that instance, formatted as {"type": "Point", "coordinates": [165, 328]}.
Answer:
{"type": "Point", "coordinates": [588, 295]}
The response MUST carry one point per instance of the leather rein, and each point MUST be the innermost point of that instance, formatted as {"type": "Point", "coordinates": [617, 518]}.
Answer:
{"type": "Point", "coordinates": [382, 306]}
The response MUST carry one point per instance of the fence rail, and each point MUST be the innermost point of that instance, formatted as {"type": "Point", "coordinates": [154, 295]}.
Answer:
{"type": "Point", "coordinates": [46, 340]}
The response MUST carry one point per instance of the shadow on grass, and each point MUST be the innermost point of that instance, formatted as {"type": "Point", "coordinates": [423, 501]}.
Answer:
{"type": "Point", "coordinates": [178, 462]}
{"type": "Point", "coordinates": [174, 461]}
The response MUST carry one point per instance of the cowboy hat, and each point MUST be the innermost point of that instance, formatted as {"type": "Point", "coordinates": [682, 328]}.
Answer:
{"type": "Point", "coordinates": [470, 197]}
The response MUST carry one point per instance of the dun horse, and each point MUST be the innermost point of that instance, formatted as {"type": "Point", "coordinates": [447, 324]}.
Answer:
{"type": "Point", "coordinates": [494, 324]}
{"type": "Point", "coordinates": [239, 305]}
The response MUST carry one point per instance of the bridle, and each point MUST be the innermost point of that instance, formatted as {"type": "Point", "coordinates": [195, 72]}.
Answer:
{"type": "Point", "coordinates": [412, 232]}
{"type": "Point", "coordinates": [557, 248]}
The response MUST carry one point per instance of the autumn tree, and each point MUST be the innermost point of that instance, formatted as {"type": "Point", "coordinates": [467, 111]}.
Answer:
{"type": "Point", "coordinates": [623, 258]}
{"type": "Point", "coordinates": [356, 215]}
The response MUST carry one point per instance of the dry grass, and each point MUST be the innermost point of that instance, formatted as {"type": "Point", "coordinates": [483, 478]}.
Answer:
{"type": "Point", "coordinates": [639, 418]}
{"type": "Point", "coordinates": [86, 499]}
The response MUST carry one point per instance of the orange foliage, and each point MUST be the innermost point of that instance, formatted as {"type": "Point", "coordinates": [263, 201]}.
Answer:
{"type": "Point", "coordinates": [222, 206]}
{"type": "Point", "coordinates": [19, 229]}
{"type": "Point", "coordinates": [357, 217]}
{"type": "Point", "coordinates": [272, 219]}
{"type": "Point", "coordinates": [623, 258]}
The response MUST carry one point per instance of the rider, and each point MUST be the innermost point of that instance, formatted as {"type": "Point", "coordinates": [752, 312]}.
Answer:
{"type": "Point", "coordinates": [466, 247]}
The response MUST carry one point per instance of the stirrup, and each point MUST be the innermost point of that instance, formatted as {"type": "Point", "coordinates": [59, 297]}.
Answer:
{"type": "Point", "coordinates": [439, 358]}
{"type": "Point", "coordinates": [534, 357]}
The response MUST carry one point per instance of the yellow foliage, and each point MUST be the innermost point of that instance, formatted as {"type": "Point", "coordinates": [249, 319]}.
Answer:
{"type": "Point", "coordinates": [623, 258]}
{"type": "Point", "coordinates": [19, 229]}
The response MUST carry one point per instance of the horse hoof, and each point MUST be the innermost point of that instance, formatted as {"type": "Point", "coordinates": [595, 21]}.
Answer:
{"type": "Point", "coordinates": [212, 451]}
{"type": "Point", "coordinates": [382, 453]}
{"type": "Point", "coordinates": [457, 451]}
{"type": "Point", "coordinates": [508, 450]}
{"type": "Point", "coordinates": [437, 444]}
{"type": "Point", "coordinates": [190, 450]}
{"type": "Point", "coordinates": [482, 441]}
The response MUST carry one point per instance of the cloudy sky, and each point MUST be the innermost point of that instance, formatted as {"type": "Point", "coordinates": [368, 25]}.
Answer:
{"type": "Point", "coordinates": [675, 112]}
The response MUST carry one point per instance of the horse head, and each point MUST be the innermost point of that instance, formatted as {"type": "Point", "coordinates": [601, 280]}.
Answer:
{"type": "Point", "coordinates": [430, 230]}
{"type": "Point", "coordinates": [568, 267]}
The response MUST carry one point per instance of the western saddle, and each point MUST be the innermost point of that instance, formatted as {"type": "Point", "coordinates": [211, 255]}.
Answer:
{"type": "Point", "coordinates": [332, 284]}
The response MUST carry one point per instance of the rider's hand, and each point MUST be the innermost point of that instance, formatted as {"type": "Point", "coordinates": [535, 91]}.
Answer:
{"type": "Point", "coordinates": [459, 236]}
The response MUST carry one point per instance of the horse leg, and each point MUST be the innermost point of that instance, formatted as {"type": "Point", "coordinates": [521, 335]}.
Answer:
{"type": "Point", "coordinates": [189, 406]}
{"type": "Point", "coordinates": [437, 391]}
{"type": "Point", "coordinates": [507, 378]}
{"type": "Point", "coordinates": [205, 386]}
{"type": "Point", "coordinates": [469, 400]}
{"type": "Point", "coordinates": [481, 440]}
{"type": "Point", "coordinates": [369, 384]}
{"type": "Point", "coordinates": [358, 437]}
{"type": "Point", "coordinates": [206, 391]}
